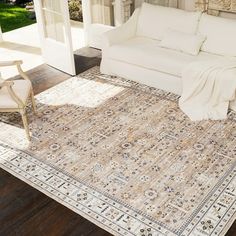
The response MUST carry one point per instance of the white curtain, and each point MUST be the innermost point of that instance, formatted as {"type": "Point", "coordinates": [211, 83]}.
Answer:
{"type": "Point", "coordinates": [102, 12]}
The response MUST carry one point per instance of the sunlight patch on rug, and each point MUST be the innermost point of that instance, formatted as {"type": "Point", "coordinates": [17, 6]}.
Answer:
{"type": "Point", "coordinates": [90, 93]}
{"type": "Point", "coordinates": [124, 156]}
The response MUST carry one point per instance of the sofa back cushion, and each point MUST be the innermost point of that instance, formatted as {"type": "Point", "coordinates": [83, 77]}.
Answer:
{"type": "Point", "coordinates": [220, 35]}
{"type": "Point", "coordinates": [154, 21]}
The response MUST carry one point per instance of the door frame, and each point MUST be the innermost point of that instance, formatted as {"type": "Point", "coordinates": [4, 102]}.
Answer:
{"type": "Point", "coordinates": [63, 61]}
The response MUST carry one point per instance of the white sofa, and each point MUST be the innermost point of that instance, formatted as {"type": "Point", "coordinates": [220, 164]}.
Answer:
{"type": "Point", "coordinates": [133, 51]}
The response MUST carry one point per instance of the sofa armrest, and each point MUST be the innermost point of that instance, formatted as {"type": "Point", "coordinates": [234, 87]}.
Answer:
{"type": "Point", "coordinates": [121, 33]}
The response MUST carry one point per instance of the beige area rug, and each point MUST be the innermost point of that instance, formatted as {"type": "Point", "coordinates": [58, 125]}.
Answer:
{"type": "Point", "coordinates": [125, 157]}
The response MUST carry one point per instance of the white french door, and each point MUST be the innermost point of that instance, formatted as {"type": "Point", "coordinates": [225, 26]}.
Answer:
{"type": "Point", "coordinates": [55, 34]}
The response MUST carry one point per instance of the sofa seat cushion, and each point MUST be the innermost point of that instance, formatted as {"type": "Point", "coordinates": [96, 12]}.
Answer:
{"type": "Point", "coordinates": [146, 53]}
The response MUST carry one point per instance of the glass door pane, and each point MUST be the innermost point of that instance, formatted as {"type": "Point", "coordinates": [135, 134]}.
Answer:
{"type": "Point", "coordinates": [53, 20]}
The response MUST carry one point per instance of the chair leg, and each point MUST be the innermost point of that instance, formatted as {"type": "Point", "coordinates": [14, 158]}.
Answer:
{"type": "Point", "coordinates": [33, 102]}
{"type": "Point", "coordinates": [25, 123]}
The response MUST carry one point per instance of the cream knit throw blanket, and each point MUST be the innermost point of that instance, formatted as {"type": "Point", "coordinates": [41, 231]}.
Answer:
{"type": "Point", "coordinates": [208, 88]}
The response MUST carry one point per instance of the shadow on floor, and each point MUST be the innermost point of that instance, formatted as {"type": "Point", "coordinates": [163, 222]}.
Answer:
{"type": "Point", "coordinates": [86, 58]}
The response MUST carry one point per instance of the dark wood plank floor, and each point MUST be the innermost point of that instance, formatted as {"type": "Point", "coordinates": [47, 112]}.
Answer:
{"type": "Point", "coordinates": [24, 211]}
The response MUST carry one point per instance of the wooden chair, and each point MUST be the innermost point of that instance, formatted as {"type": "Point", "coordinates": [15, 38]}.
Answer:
{"type": "Point", "coordinates": [14, 95]}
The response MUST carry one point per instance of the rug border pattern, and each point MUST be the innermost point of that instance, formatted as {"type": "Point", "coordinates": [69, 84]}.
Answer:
{"type": "Point", "coordinates": [15, 157]}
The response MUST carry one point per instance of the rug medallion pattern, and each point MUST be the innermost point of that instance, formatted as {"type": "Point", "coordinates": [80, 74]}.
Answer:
{"type": "Point", "coordinates": [125, 157]}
